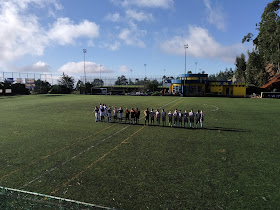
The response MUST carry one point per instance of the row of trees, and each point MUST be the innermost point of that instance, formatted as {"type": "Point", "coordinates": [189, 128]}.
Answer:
{"type": "Point", "coordinates": [65, 86]}
{"type": "Point", "coordinates": [17, 88]}
{"type": "Point", "coordinates": [149, 85]}
{"type": "Point", "coordinates": [222, 75]}
{"type": "Point", "coordinates": [264, 61]}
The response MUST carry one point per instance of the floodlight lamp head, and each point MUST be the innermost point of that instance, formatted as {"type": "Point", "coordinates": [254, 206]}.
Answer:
{"type": "Point", "coordinates": [84, 50]}
{"type": "Point", "coordinates": [186, 46]}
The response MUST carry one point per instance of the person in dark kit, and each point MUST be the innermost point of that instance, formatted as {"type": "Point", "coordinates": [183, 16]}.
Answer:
{"type": "Point", "coordinates": [163, 115]}
{"type": "Point", "coordinates": [96, 110]}
{"type": "Point", "coordinates": [137, 115]}
{"type": "Point", "coordinates": [132, 113]}
{"type": "Point", "coordinates": [102, 111]}
{"type": "Point", "coordinates": [186, 120]}
{"type": "Point", "coordinates": [197, 116]}
{"type": "Point", "coordinates": [147, 114]}
{"type": "Point", "coordinates": [180, 118]}
{"type": "Point", "coordinates": [191, 117]}
{"type": "Point", "coordinates": [120, 110]}
{"type": "Point", "coordinates": [109, 113]}
{"type": "Point", "coordinates": [152, 116]}
{"type": "Point", "coordinates": [127, 113]}
{"type": "Point", "coordinates": [170, 117]}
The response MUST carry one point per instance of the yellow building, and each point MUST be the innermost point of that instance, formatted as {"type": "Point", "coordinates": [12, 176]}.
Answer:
{"type": "Point", "coordinates": [228, 88]}
{"type": "Point", "coordinates": [199, 85]}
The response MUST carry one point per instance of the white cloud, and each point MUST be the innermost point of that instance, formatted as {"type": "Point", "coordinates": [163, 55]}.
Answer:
{"type": "Point", "coordinates": [78, 68]}
{"type": "Point", "coordinates": [115, 17]}
{"type": "Point", "coordinates": [202, 44]}
{"type": "Point", "coordinates": [163, 4]}
{"type": "Point", "coordinates": [139, 16]}
{"type": "Point", "coordinates": [113, 46]}
{"type": "Point", "coordinates": [22, 34]}
{"type": "Point", "coordinates": [215, 15]}
{"type": "Point", "coordinates": [124, 69]}
{"type": "Point", "coordinates": [65, 31]}
{"type": "Point", "coordinates": [133, 36]}
{"type": "Point", "coordinates": [39, 67]}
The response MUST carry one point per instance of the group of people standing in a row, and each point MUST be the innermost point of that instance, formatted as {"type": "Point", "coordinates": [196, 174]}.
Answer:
{"type": "Point", "coordinates": [116, 115]}
{"type": "Point", "coordinates": [177, 118]}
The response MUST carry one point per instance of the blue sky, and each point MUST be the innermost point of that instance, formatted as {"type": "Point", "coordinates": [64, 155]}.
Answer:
{"type": "Point", "coordinates": [48, 36]}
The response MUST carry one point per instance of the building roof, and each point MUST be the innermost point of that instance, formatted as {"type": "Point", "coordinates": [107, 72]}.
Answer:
{"type": "Point", "coordinates": [193, 75]}
{"type": "Point", "coordinates": [273, 80]}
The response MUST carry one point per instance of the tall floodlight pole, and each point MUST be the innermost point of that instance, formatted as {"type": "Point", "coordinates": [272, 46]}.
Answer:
{"type": "Point", "coordinates": [130, 76]}
{"type": "Point", "coordinates": [85, 51]}
{"type": "Point", "coordinates": [164, 70]}
{"type": "Point", "coordinates": [145, 69]}
{"type": "Point", "coordinates": [185, 46]}
{"type": "Point", "coordinates": [195, 66]}
{"type": "Point", "coordinates": [100, 72]}
{"type": "Point", "coordinates": [145, 76]}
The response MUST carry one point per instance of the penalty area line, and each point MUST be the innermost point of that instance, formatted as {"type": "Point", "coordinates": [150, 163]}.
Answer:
{"type": "Point", "coordinates": [53, 153]}
{"type": "Point", "coordinates": [72, 158]}
{"type": "Point", "coordinates": [96, 161]}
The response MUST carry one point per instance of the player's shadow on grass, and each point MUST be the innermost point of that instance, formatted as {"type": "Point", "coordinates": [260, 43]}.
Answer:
{"type": "Point", "coordinates": [219, 129]}
{"type": "Point", "coordinates": [225, 129]}
{"type": "Point", "coordinates": [52, 95]}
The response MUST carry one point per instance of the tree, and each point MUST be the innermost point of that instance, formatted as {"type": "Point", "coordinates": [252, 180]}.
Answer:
{"type": "Point", "coordinates": [56, 89]}
{"type": "Point", "coordinates": [121, 80]}
{"type": "Point", "coordinates": [255, 71]}
{"type": "Point", "coordinates": [67, 83]}
{"type": "Point", "coordinates": [130, 82]}
{"type": "Point", "coordinates": [79, 85]}
{"type": "Point", "coordinates": [222, 75]}
{"type": "Point", "coordinates": [88, 87]}
{"type": "Point", "coordinates": [267, 42]}
{"type": "Point", "coordinates": [152, 85]}
{"type": "Point", "coordinates": [139, 82]}
{"type": "Point", "coordinates": [20, 89]}
{"type": "Point", "coordinates": [164, 79]}
{"type": "Point", "coordinates": [42, 87]}
{"type": "Point", "coordinates": [268, 39]}
{"type": "Point", "coordinates": [212, 77]}
{"type": "Point", "coordinates": [240, 71]}
{"type": "Point", "coordinates": [97, 83]}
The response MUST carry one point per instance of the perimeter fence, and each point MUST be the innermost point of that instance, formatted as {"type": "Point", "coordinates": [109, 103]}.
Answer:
{"type": "Point", "coordinates": [115, 80]}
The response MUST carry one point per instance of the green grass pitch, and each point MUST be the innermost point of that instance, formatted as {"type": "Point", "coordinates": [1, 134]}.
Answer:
{"type": "Point", "coordinates": [50, 144]}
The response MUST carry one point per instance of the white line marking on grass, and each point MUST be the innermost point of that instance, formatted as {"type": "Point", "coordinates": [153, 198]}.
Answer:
{"type": "Point", "coordinates": [216, 108]}
{"type": "Point", "coordinates": [54, 198]}
{"type": "Point", "coordinates": [79, 154]}
{"type": "Point", "coordinates": [170, 103]}
{"type": "Point", "coordinates": [57, 167]}
{"type": "Point", "coordinates": [95, 162]}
